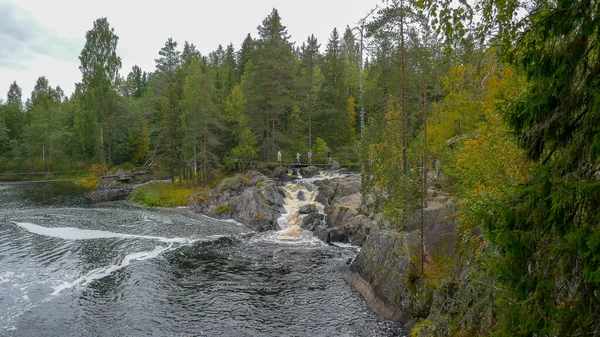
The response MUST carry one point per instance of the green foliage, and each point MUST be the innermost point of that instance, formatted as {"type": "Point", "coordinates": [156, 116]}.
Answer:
{"type": "Point", "coordinates": [223, 209]}
{"type": "Point", "coordinates": [99, 68]}
{"type": "Point", "coordinates": [161, 195]}
{"type": "Point", "coordinates": [245, 152]}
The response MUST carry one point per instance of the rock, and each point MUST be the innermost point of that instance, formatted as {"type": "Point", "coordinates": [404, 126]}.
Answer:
{"type": "Point", "coordinates": [325, 195]}
{"type": "Point", "coordinates": [335, 165]}
{"type": "Point", "coordinates": [439, 227]}
{"type": "Point", "coordinates": [309, 171]}
{"type": "Point", "coordinates": [322, 232]}
{"type": "Point", "coordinates": [385, 273]}
{"type": "Point", "coordinates": [351, 225]}
{"type": "Point", "coordinates": [301, 195]}
{"type": "Point", "coordinates": [306, 209]}
{"type": "Point", "coordinates": [253, 200]}
{"type": "Point", "coordinates": [311, 221]}
{"type": "Point", "coordinates": [332, 190]}
{"type": "Point", "coordinates": [443, 302]}
{"type": "Point", "coordinates": [337, 235]}
{"type": "Point", "coordinates": [280, 173]}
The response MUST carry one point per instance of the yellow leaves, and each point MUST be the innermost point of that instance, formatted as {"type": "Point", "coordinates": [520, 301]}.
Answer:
{"type": "Point", "coordinates": [484, 157]}
{"type": "Point", "coordinates": [351, 113]}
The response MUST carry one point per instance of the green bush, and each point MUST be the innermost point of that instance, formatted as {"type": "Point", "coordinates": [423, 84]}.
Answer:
{"type": "Point", "coordinates": [222, 209]}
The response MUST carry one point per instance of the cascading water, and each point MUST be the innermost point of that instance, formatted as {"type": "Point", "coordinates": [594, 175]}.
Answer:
{"type": "Point", "coordinates": [296, 196]}
{"type": "Point", "coordinates": [301, 193]}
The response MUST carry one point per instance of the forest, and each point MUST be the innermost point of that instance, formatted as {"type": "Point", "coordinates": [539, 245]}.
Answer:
{"type": "Point", "coordinates": [497, 100]}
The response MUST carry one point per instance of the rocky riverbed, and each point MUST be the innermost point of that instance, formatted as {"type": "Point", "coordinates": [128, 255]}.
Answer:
{"type": "Point", "coordinates": [387, 269]}
{"type": "Point", "coordinates": [258, 201]}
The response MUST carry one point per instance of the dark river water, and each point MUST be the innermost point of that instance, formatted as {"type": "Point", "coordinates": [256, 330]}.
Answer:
{"type": "Point", "coordinates": [69, 267]}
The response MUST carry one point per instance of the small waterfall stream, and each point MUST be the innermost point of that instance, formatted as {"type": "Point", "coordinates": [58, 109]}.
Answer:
{"type": "Point", "coordinates": [296, 196]}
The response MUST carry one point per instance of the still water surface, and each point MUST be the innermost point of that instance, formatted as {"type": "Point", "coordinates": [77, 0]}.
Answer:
{"type": "Point", "coordinates": [69, 267]}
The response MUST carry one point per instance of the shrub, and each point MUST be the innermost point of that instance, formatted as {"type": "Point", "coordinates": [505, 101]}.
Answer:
{"type": "Point", "coordinates": [222, 209]}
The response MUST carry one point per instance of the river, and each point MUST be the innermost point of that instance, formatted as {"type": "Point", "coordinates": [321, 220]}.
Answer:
{"type": "Point", "coordinates": [72, 267]}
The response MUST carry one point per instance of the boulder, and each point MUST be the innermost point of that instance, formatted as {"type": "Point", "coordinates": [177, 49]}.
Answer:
{"type": "Point", "coordinates": [309, 171]}
{"type": "Point", "coordinates": [301, 195]}
{"type": "Point", "coordinates": [311, 221]}
{"type": "Point", "coordinates": [306, 209]}
{"type": "Point", "coordinates": [253, 200]}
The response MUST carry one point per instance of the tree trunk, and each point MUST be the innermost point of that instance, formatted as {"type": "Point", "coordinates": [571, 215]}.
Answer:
{"type": "Point", "coordinates": [424, 194]}
{"type": "Point", "coordinates": [195, 168]}
{"type": "Point", "coordinates": [404, 158]}
{"type": "Point", "coordinates": [102, 160]}
{"type": "Point", "coordinates": [205, 173]}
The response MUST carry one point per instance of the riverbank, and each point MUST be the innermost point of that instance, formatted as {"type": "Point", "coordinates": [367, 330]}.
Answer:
{"type": "Point", "coordinates": [443, 300]}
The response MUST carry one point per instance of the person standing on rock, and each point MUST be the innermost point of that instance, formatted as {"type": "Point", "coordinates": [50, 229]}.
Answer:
{"type": "Point", "coordinates": [279, 157]}
{"type": "Point", "coordinates": [298, 158]}
{"type": "Point", "coordinates": [328, 157]}
{"type": "Point", "coordinates": [309, 156]}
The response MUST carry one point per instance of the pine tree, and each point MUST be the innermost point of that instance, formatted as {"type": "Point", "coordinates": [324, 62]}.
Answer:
{"type": "Point", "coordinates": [309, 76]}
{"type": "Point", "coordinates": [244, 55]}
{"type": "Point", "coordinates": [269, 83]}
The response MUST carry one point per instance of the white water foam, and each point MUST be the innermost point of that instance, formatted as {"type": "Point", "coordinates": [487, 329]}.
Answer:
{"type": "Point", "coordinates": [71, 233]}
{"type": "Point", "coordinates": [290, 219]}
{"type": "Point", "coordinates": [99, 273]}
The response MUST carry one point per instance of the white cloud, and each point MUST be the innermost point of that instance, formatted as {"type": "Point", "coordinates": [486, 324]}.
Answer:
{"type": "Point", "coordinates": [54, 31]}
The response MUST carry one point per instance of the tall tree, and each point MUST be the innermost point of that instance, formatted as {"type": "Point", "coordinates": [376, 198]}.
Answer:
{"type": "Point", "coordinates": [136, 82]}
{"type": "Point", "coordinates": [100, 69]}
{"type": "Point", "coordinates": [170, 59]}
{"type": "Point", "coordinates": [333, 97]}
{"type": "Point", "coordinates": [199, 117]}
{"type": "Point", "coordinates": [244, 55]}
{"type": "Point", "coordinates": [310, 59]}
{"type": "Point", "coordinates": [44, 114]}
{"type": "Point", "coordinates": [269, 84]}
{"type": "Point", "coordinates": [170, 137]}
{"type": "Point", "coordinates": [14, 115]}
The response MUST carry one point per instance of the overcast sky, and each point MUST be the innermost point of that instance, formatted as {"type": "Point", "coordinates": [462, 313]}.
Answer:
{"type": "Point", "coordinates": [44, 38]}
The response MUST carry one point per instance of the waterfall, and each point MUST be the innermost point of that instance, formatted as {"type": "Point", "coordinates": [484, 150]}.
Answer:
{"type": "Point", "coordinates": [296, 196]}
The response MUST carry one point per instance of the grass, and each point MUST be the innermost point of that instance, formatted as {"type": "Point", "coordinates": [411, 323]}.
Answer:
{"type": "Point", "coordinates": [89, 182]}
{"type": "Point", "coordinates": [161, 195]}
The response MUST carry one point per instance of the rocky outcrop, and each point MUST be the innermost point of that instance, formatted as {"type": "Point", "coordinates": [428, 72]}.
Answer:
{"type": "Point", "coordinates": [341, 198]}
{"type": "Point", "coordinates": [252, 199]}
{"type": "Point", "coordinates": [463, 306]}
{"type": "Point", "coordinates": [387, 269]}
{"type": "Point", "coordinates": [385, 273]}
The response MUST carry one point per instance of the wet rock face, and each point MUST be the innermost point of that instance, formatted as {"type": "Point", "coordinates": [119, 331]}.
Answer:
{"type": "Point", "coordinates": [307, 209]}
{"type": "Point", "coordinates": [252, 199]}
{"type": "Point", "coordinates": [309, 171]}
{"type": "Point", "coordinates": [311, 221]}
{"type": "Point", "coordinates": [385, 264]}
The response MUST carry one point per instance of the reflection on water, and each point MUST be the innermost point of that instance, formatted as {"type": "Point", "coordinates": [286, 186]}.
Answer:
{"type": "Point", "coordinates": [48, 193]}
{"type": "Point", "coordinates": [72, 268]}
